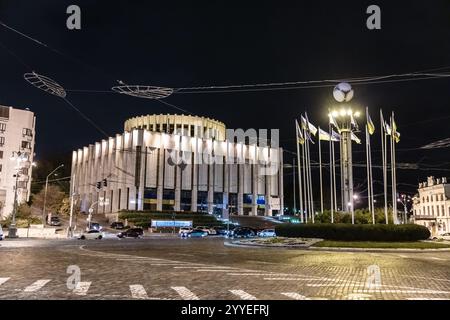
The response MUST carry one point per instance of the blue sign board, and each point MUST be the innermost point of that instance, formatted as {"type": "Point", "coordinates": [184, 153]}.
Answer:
{"type": "Point", "coordinates": [171, 224]}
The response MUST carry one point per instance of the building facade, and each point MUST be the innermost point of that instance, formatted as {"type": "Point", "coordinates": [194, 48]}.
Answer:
{"type": "Point", "coordinates": [179, 163]}
{"type": "Point", "coordinates": [431, 206]}
{"type": "Point", "coordinates": [17, 139]}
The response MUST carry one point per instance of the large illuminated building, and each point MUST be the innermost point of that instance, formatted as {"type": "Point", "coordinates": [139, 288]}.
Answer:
{"type": "Point", "coordinates": [179, 163]}
{"type": "Point", "coordinates": [17, 138]}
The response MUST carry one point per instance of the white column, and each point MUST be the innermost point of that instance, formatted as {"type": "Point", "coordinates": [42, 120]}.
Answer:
{"type": "Point", "coordinates": [160, 185]}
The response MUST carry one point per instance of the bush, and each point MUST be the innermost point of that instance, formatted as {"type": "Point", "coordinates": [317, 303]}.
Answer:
{"type": "Point", "coordinates": [356, 232]}
{"type": "Point", "coordinates": [362, 216]}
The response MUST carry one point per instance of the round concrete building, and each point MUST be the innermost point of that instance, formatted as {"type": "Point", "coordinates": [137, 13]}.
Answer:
{"type": "Point", "coordinates": [180, 163]}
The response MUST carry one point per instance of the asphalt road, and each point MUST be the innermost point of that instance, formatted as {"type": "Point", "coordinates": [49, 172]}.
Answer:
{"type": "Point", "coordinates": [172, 268]}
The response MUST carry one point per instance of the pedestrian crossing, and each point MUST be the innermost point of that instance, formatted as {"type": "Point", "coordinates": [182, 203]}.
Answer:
{"type": "Point", "coordinates": [45, 288]}
{"type": "Point", "coordinates": [35, 286]}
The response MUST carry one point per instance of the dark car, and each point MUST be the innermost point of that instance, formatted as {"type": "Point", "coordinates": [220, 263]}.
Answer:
{"type": "Point", "coordinates": [118, 225]}
{"type": "Point", "coordinates": [131, 233]}
{"type": "Point", "coordinates": [55, 222]}
{"type": "Point", "coordinates": [220, 230]}
{"type": "Point", "coordinates": [197, 233]}
{"type": "Point", "coordinates": [94, 226]}
{"type": "Point", "coordinates": [244, 232]}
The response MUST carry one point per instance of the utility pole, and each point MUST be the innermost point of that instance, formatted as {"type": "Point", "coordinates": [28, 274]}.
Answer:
{"type": "Point", "coordinates": [45, 192]}
{"type": "Point", "coordinates": [72, 197]}
{"type": "Point", "coordinates": [12, 230]}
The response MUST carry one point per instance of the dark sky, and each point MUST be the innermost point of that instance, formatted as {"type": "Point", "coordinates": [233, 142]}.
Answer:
{"type": "Point", "coordinates": [196, 43]}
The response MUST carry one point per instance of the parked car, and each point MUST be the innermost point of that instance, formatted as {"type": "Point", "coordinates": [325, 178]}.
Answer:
{"type": "Point", "coordinates": [1, 233]}
{"type": "Point", "coordinates": [54, 221]}
{"type": "Point", "coordinates": [91, 234]}
{"type": "Point", "coordinates": [267, 233]}
{"type": "Point", "coordinates": [445, 236]}
{"type": "Point", "coordinates": [118, 225]}
{"type": "Point", "coordinates": [243, 232]}
{"type": "Point", "coordinates": [184, 231]}
{"type": "Point", "coordinates": [131, 233]}
{"type": "Point", "coordinates": [94, 226]}
{"type": "Point", "coordinates": [220, 230]}
{"type": "Point", "coordinates": [197, 233]}
{"type": "Point", "coordinates": [208, 230]}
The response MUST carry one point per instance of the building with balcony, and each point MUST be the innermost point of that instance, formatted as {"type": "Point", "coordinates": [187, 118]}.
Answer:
{"type": "Point", "coordinates": [17, 138]}
{"type": "Point", "coordinates": [178, 163]}
{"type": "Point", "coordinates": [431, 206]}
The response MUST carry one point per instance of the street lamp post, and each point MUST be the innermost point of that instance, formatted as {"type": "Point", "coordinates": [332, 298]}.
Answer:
{"type": "Point", "coordinates": [12, 230]}
{"type": "Point", "coordinates": [45, 192]}
{"type": "Point", "coordinates": [404, 199]}
{"type": "Point", "coordinates": [345, 119]}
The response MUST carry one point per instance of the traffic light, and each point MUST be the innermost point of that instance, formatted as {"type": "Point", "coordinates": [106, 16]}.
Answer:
{"type": "Point", "coordinates": [99, 185]}
{"type": "Point", "coordinates": [105, 182]}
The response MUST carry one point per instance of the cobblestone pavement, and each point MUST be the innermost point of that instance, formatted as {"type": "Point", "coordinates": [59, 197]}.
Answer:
{"type": "Point", "coordinates": [170, 268]}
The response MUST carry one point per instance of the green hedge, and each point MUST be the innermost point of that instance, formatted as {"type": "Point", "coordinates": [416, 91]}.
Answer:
{"type": "Point", "coordinates": [357, 232]}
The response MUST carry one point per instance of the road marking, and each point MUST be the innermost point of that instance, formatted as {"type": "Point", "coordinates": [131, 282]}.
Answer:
{"type": "Point", "coordinates": [436, 258]}
{"type": "Point", "coordinates": [294, 295]}
{"type": "Point", "coordinates": [36, 285]}
{"type": "Point", "coordinates": [211, 270]}
{"type": "Point", "coordinates": [185, 293]}
{"type": "Point", "coordinates": [82, 288]}
{"type": "Point", "coordinates": [202, 266]}
{"type": "Point", "coordinates": [138, 291]}
{"type": "Point", "coordinates": [243, 295]}
{"type": "Point", "coordinates": [403, 256]}
{"type": "Point", "coordinates": [3, 280]}
{"type": "Point", "coordinates": [400, 291]}
{"type": "Point", "coordinates": [425, 298]}
{"type": "Point", "coordinates": [358, 296]}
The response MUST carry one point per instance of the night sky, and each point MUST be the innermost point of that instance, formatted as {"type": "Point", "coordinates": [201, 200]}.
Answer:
{"type": "Point", "coordinates": [202, 43]}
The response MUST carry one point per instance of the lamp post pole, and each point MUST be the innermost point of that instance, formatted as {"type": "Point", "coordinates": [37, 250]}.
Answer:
{"type": "Point", "coordinates": [45, 192]}
{"type": "Point", "coordinates": [12, 230]}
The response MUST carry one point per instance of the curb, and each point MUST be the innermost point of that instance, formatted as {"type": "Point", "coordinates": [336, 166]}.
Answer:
{"type": "Point", "coordinates": [333, 249]}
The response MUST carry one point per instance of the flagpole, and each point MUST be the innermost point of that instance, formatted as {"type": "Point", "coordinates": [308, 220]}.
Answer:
{"type": "Point", "coordinates": [308, 176]}
{"type": "Point", "coordinates": [300, 191]}
{"type": "Point", "coordinates": [320, 174]}
{"type": "Point", "coordinates": [369, 168]}
{"type": "Point", "coordinates": [334, 178]}
{"type": "Point", "coordinates": [310, 184]}
{"type": "Point", "coordinates": [369, 191]}
{"type": "Point", "coordinates": [372, 197]}
{"type": "Point", "coordinates": [383, 153]}
{"type": "Point", "coordinates": [331, 174]}
{"type": "Point", "coordinates": [293, 185]}
{"type": "Point", "coordinates": [308, 198]}
{"type": "Point", "coordinates": [305, 187]}
{"type": "Point", "coordinates": [393, 171]}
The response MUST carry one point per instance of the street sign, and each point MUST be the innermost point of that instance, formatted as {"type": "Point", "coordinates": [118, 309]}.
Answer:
{"type": "Point", "coordinates": [171, 223]}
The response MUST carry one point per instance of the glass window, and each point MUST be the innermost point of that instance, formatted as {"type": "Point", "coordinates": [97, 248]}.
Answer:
{"type": "Point", "coordinates": [2, 141]}
{"type": "Point", "coordinates": [2, 127]}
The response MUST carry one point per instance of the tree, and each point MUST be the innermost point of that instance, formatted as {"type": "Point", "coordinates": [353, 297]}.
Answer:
{"type": "Point", "coordinates": [55, 197]}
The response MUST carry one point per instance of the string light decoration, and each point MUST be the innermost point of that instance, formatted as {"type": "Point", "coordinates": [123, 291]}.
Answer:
{"type": "Point", "coordinates": [46, 84]}
{"type": "Point", "coordinates": [145, 92]}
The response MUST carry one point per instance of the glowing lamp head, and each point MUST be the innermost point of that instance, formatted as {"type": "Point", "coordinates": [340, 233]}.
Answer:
{"type": "Point", "coordinates": [343, 92]}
